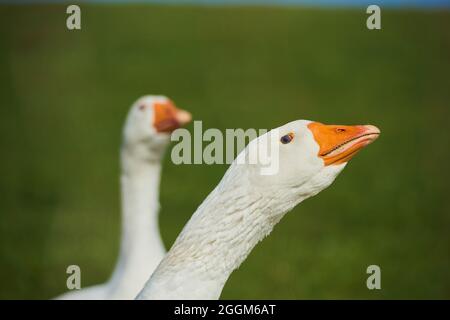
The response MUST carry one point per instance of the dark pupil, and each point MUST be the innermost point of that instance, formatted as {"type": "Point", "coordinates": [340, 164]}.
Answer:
{"type": "Point", "coordinates": [286, 139]}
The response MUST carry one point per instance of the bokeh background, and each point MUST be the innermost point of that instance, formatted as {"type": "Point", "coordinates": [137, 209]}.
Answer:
{"type": "Point", "coordinates": [64, 96]}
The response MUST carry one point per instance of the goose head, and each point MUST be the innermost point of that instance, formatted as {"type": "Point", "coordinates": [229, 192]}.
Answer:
{"type": "Point", "coordinates": [309, 155]}
{"type": "Point", "coordinates": [149, 124]}
{"type": "Point", "coordinates": [305, 158]}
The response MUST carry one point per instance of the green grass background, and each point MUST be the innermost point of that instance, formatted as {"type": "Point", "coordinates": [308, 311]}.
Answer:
{"type": "Point", "coordinates": [64, 95]}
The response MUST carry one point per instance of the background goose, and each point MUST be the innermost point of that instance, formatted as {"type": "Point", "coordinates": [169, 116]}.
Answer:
{"type": "Point", "coordinates": [145, 137]}
{"type": "Point", "coordinates": [246, 205]}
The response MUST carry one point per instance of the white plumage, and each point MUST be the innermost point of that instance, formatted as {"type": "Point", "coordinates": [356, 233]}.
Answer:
{"type": "Point", "coordinates": [246, 205]}
{"type": "Point", "coordinates": [145, 138]}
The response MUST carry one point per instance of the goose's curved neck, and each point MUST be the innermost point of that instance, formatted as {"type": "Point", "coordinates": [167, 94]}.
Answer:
{"type": "Point", "coordinates": [216, 240]}
{"type": "Point", "coordinates": [141, 246]}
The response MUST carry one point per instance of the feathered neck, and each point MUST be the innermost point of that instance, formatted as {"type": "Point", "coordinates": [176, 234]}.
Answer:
{"type": "Point", "coordinates": [141, 247]}
{"type": "Point", "coordinates": [218, 238]}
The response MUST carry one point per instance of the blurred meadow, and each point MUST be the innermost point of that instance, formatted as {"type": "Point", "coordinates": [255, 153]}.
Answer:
{"type": "Point", "coordinates": [64, 95]}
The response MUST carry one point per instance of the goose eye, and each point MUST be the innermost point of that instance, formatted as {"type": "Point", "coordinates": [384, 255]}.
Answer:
{"type": "Point", "coordinates": [287, 138]}
{"type": "Point", "coordinates": [142, 107]}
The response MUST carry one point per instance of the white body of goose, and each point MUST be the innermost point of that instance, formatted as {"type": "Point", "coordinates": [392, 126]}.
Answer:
{"type": "Point", "coordinates": [146, 135]}
{"type": "Point", "coordinates": [246, 205]}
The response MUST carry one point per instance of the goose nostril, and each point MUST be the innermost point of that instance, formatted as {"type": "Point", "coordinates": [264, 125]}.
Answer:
{"type": "Point", "coordinates": [340, 130]}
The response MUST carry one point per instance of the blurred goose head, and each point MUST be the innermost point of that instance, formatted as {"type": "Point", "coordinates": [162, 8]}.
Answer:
{"type": "Point", "coordinates": [149, 124]}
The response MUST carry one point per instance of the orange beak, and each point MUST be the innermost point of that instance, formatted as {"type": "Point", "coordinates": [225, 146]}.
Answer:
{"type": "Point", "coordinates": [338, 144]}
{"type": "Point", "coordinates": [168, 117]}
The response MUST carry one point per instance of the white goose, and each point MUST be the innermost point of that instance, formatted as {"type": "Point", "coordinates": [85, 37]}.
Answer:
{"type": "Point", "coordinates": [146, 135]}
{"type": "Point", "coordinates": [246, 205]}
